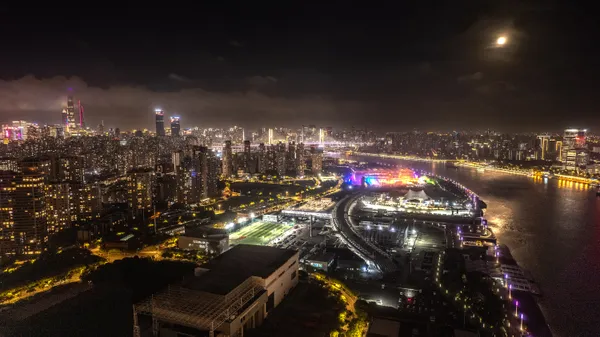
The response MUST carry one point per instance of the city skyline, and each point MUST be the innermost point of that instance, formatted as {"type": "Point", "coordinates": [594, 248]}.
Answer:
{"type": "Point", "coordinates": [444, 69]}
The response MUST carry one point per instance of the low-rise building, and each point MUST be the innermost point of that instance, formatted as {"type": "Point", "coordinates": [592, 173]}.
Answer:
{"type": "Point", "coordinates": [229, 295]}
{"type": "Point", "coordinates": [322, 262]}
{"type": "Point", "coordinates": [210, 241]}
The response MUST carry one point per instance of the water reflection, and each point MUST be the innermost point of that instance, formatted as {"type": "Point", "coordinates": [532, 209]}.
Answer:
{"type": "Point", "coordinates": [553, 229]}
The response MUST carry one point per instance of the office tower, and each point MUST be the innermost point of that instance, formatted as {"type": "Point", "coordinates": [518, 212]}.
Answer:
{"type": "Point", "coordinates": [160, 122]}
{"type": "Point", "coordinates": [316, 156]}
{"type": "Point", "coordinates": [270, 137]}
{"type": "Point", "coordinates": [227, 159]}
{"type": "Point", "coordinates": [175, 126]}
{"type": "Point", "coordinates": [71, 124]}
{"type": "Point", "coordinates": [117, 132]}
{"type": "Point", "coordinates": [81, 115]}
{"type": "Point", "coordinates": [321, 136]}
{"type": "Point", "coordinates": [140, 183]}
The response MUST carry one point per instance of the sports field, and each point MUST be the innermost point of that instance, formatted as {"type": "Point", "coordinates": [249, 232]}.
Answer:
{"type": "Point", "coordinates": [258, 233]}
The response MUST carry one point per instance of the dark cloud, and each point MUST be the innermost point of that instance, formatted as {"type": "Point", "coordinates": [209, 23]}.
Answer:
{"type": "Point", "coordinates": [130, 106]}
{"type": "Point", "coordinates": [259, 81]}
{"type": "Point", "coordinates": [470, 77]}
{"type": "Point", "coordinates": [236, 44]}
{"type": "Point", "coordinates": [179, 78]}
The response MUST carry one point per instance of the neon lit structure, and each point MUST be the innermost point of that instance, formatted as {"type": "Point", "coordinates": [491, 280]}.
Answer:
{"type": "Point", "coordinates": [383, 177]}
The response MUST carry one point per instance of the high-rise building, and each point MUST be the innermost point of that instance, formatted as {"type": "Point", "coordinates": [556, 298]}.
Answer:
{"type": "Point", "coordinates": [316, 155]}
{"type": "Point", "coordinates": [140, 184]}
{"type": "Point", "coordinates": [227, 159]}
{"type": "Point", "coordinates": [30, 224]}
{"type": "Point", "coordinates": [263, 163]}
{"type": "Point", "coordinates": [574, 154]}
{"type": "Point", "coordinates": [205, 176]}
{"type": "Point", "coordinates": [280, 159]}
{"type": "Point", "coordinates": [300, 164]}
{"type": "Point", "coordinates": [160, 122]}
{"type": "Point", "coordinates": [270, 136]}
{"type": "Point", "coordinates": [175, 126]}
{"type": "Point", "coordinates": [65, 119]}
{"type": "Point", "coordinates": [81, 115]}
{"type": "Point", "coordinates": [71, 124]}
{"type": "Point", "coordinates": [543, 144]}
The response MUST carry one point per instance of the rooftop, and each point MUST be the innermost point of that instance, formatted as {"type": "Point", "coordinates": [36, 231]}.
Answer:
{"type": "Point", "coordinates": [230, 269]}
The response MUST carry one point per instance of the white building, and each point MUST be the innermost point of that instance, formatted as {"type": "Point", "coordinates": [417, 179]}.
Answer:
{"type": "Point", "coordinates": [230, 294]}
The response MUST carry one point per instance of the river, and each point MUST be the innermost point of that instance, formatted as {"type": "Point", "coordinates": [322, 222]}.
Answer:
{"type": "Point", "coordinates": [553, 230]}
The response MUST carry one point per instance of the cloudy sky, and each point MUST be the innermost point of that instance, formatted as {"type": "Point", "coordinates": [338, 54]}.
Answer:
{"type": "Point", "coordinates": [394, 67]}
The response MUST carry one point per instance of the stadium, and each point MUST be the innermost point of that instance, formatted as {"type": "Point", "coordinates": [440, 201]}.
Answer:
{"type": "Point", "coordinates": [258, 233]}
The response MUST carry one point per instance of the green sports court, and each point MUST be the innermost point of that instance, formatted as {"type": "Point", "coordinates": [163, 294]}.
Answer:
{"type": "Point", "coordinates": [258, 233]}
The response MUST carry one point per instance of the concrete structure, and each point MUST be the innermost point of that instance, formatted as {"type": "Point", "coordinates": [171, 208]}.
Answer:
{"type": "Point", "coordinates": [230, 294]}
{"type": "Point", "coordinates": [210, 241]}
{"type": "Point", "coordinates": [322, 262]}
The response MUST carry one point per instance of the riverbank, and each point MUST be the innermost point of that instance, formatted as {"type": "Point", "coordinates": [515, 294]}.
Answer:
{"type": "Point", "coordinates": [533, 319]}
{"type": "Point", "coordinates": [482, 166]}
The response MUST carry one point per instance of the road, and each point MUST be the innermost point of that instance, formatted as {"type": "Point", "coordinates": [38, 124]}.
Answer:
{"type": "Point", "coordinates": [372, 255]}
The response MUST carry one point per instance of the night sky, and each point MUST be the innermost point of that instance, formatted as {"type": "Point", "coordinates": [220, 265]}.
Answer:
{"type": "Point", "coordinates": [394, 67]}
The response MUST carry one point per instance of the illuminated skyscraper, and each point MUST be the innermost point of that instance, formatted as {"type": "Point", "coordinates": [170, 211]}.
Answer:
{"type": "Point", "coordinates": [175, 126]}
{"type": "Point", "coordinates": [543, 141]}
{"type": "Point", "coordinates": [316, 155]}
{"type": "Point", "coordinates": [574, 153]}
{"type": "Point", "coordinates": [160, 122]}
{"type": "Point", "coordinates": [71, 124]}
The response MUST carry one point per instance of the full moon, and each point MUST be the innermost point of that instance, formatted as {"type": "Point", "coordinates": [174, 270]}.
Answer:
{"type": "Point", "coordinates": [501, 40]}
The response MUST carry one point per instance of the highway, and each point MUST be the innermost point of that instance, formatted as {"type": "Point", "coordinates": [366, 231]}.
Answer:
{"type": "Point", "coordinates": [374, 256]}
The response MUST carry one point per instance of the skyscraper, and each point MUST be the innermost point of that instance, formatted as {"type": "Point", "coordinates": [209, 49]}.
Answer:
{"type": "Point", "coordinates": [316, 155]}
{"type": "Point", "coordinates": [543, 145]}
{"type": "Point", "coordinates": [263, 163]}
{"type": "Point", "coordinates": [175, 126]}
{"type": "Point", "coordinates": [227, 160]}
{"type": "Point", "coordinates": [160, 122]}
{"type": "Point", "coordinates": [71, 124]}
{"type": "Point", "coordinates": [574, 154]}
{"type": "Point", "coordinates": [65, 119]}
{"type": "Point", "coordinates": [81, 116]}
